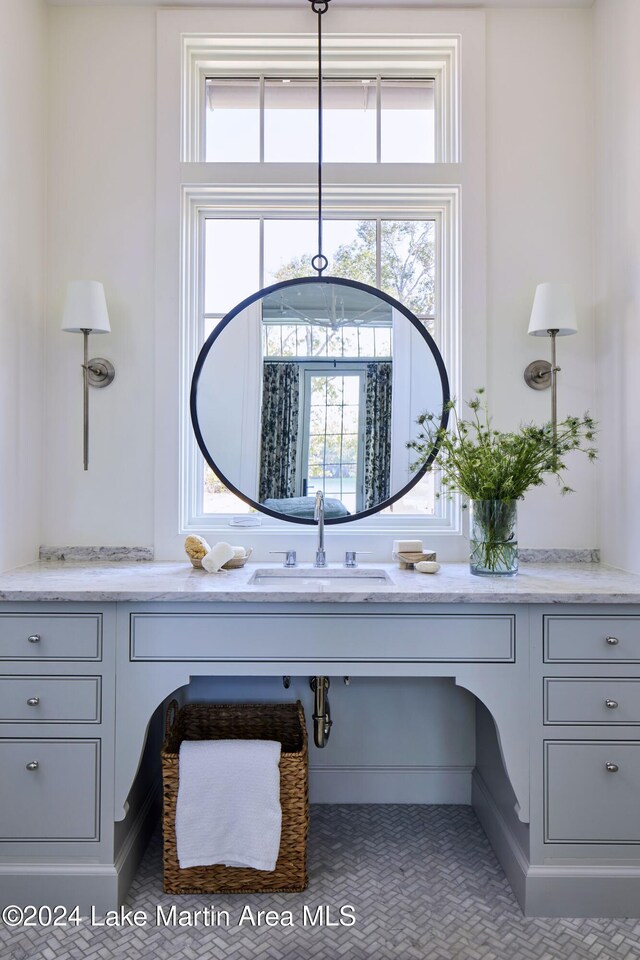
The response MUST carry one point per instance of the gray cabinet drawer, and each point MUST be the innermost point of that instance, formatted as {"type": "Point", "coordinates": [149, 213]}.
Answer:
{"type": "Point", "coordinates": [591, 701]}
{"type": "Point", "coordinates": [56, 801]}
{"type": "Point", "coordinates": [591, 639]}
{"type": "Point", "coordinates": [584, 803]}
{"type": "Point", "coordinates": [328, 637]}
{"type": "Point", "coordinates": [59, 699]}
{"type": "Point", "coordinates": [51, 636]}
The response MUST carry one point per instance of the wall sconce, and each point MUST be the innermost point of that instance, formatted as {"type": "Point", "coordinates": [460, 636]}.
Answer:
{"type": "Point", "coordinates": [553, 315]}
{"type": "Point", "coordinates": [85, 312]}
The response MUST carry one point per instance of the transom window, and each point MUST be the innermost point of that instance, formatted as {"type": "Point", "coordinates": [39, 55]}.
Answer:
{"type": "Point", "coordinates": [274, 120]}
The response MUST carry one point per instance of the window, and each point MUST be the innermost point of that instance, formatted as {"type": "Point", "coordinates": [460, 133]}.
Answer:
{"type": "Point", "coordinates": [397, 256]}
{"type": "Point", "coordinates": [252, 199]}
{"type": "Point", "coordinates": [365, 120]}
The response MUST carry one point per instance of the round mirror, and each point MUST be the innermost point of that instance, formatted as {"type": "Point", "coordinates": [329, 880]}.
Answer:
{"type": "Point", "coordinates": [316, 384]}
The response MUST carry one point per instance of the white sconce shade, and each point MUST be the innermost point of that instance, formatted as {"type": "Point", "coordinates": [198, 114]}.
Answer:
{"type": "Point", "coordinates": [553, 309]}
{"type": "Point", "coordinates": [85, 308]}
{"type": "Point", "coordinates": [85, 312]}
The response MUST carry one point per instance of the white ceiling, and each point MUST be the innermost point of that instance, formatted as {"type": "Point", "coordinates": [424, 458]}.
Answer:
{"type": "Point", "coordinates": [342, 3]}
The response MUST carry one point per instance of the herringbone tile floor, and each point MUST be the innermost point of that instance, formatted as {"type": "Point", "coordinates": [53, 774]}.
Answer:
{"type": "Point", "coordinates": [423, 880]}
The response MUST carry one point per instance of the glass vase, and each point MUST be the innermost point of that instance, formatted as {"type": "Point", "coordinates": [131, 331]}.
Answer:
{"type": "Point", "coordinates": [493, 531]}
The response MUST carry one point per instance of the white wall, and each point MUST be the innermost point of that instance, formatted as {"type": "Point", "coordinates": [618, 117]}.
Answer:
{"type": "Point", "coordinates": [101, 226]}
{"type": "Point", "coordinates": [539, 225]}
{"type": "Point", "coordinates": [617, 62]}
{"type": "Point", "coordinates": [23, 57]}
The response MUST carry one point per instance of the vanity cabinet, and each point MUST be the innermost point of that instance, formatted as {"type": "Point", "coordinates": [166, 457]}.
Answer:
{"type": "Point", "coordinates": [240, 636]}
{"type": "Point", "coordinates": [46, 699]}
{"type": "Point", "coordinates": [57, 713]}
{"type": "Point", "coordinates": [57, 636]}
{"type": "Point", "coordinates": [585, 763]}
{"type": "Point", "coordinates": [591, 638]}
{"type": "Point", "coordinates": [592, 789]}
{"type": "Point", "coordinates": [591, 700]}
{"type": "Point", "coordinates": [49, 789]}
{"type": "Point", "coordinates": [556, 791]}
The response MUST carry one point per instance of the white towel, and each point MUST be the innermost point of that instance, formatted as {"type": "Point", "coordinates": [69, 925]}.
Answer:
{"type": "Point", "coordinates": [228, 809]}
{"type": "Point", "coordinates": [220, 553]}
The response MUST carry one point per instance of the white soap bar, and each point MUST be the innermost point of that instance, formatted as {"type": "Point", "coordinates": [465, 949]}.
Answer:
{"type": "Point", "coordinates": [427, 566]}
{"type": "Point", "coordinates": [407, 546]}
{"type": "Point", "coordinates": [219, 554]}
{"type": "Point", "coordinates": [238, 553]}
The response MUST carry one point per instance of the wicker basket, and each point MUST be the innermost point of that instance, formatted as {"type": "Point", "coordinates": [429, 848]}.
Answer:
{"type": "Point", "coordinates": [214, 721]}
{"type": "Point", "coordinates": [237, 562]}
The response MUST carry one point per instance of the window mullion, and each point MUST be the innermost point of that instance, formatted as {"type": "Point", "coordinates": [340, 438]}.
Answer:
{"type": "Point", "coordinates": [261, 253]}
{"type": "Point", "coordinates": [378, 119]}
{"type": "Point", "coordinates": [261, 95]}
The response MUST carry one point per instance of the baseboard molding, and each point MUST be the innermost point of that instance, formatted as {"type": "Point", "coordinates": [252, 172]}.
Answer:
{"type": "Point", "coordinates": [135, 843]}
{"type": "Point", "coordinates": [390, 784]}
{"type": "Point", "coordinates": [583, 891]}
{"type": "Point", "coordinates": [556, 890]}
{"type": "Point", "coordinates": [512, 857]}
{"type": "Point", "coordinates": [87, 885]}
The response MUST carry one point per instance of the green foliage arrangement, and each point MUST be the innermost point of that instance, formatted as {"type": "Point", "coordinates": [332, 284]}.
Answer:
{"type": "Point", "coordinates": [487, 464]}
{"type": "Point", "coordinates": [494, 469]}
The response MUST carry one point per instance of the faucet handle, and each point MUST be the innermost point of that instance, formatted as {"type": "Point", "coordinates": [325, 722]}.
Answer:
{"type": "Point", "coordinates": [350, 557]}
{"type": "Point", "coordinates": [290, 557]}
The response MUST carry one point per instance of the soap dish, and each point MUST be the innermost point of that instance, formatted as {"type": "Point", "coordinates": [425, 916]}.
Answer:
{"type": "Point", "coordinates": [237, 562]}
{"type": "Point", "coordinates": [408, 559]}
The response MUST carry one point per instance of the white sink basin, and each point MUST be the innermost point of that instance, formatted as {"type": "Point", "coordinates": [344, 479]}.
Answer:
{"type": "Point", "coordinates": [338, 578]}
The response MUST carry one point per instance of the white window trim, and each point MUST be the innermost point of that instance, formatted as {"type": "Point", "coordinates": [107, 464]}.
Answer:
{"type": "Point", "coordinates": [468, 177]}
{"type": "Point", "coordinates": [441, 204]}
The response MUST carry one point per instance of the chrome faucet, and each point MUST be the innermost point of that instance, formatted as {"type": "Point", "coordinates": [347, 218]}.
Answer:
{"type": "Point", "coordinates": [318, 516]}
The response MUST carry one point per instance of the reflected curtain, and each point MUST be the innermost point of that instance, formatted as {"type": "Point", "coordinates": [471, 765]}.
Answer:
{"type": "Point", "coordinates": [279, 444]}
{"type": "Point", "coordinates": [377, 436]}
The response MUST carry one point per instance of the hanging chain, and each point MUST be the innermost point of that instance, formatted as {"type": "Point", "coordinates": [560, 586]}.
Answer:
{"type": "Point", "coordinates": [319, 262]}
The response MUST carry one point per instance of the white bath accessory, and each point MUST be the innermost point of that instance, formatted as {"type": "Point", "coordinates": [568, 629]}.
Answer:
{"type": "Point", "coordinates": [196, 548]}
{"type": "Point", "coordinates": [252, 520]}
{"type": "Point", "coordinates": [238, 553]}
{"type": "Point", "coordinates": [407, 546]}
{"type": "Point", "coordinates": [219, 554]}
{"type": "Point", "coordinates": [427, 566]}
{"type": "Point", "coordinates": [228, 808]}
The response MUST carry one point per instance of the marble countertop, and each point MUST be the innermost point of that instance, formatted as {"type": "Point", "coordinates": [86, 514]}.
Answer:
{"type": "Point", "coordinates": [151, 581]}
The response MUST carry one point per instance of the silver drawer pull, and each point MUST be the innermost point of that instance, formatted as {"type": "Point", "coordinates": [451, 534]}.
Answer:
{"type": "Point", "coordinates": [33, 701]}
{"type": "Point", "coordinates": [613, 641]}
{"type": "Point", "coordinates": [33, 765]}
{"type": "Point", "coordinates": [611, 767]}
{"type": "Point", "coordinates": [611, 704]}
{"type": "Point", "coordinates": [34, 638]}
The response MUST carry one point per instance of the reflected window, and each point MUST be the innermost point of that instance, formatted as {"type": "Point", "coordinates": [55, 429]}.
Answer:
{"type": "Point", "coordinates": [397, 256]}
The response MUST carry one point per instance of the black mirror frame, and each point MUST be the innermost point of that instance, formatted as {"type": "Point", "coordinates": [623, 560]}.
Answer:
{"type": "Point", "coordinates": [226, 320]}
